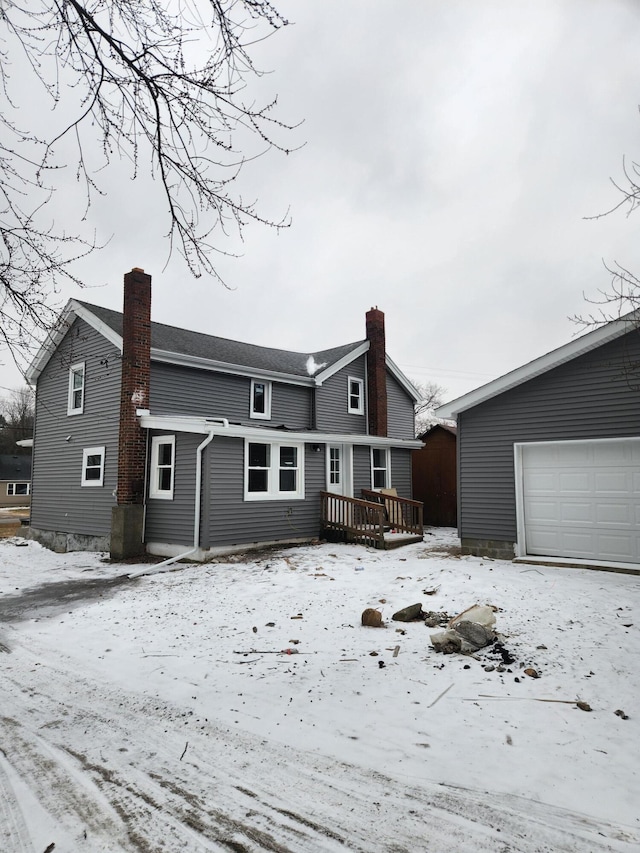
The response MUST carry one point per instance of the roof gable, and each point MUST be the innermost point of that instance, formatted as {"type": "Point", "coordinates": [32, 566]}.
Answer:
{"type": "Point", "coordinates": [434, 428]}
{"type": "Point", "coordinates": [574, 349]}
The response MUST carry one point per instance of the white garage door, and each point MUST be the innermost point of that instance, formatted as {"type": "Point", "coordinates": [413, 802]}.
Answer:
{"type": "Point", "coordinates": [581, 499]}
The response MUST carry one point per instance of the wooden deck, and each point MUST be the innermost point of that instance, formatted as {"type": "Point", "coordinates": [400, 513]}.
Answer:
{"type": "Point", "coordinates": [379, 520]}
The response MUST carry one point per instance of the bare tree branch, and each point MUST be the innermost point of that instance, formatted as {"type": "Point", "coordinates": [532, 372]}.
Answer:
{"type": "Point", "coordinates": [16, 419]}
{"type": "Point", "coordinates": [160, 84]}
{"type": "Point", "coordinates": [431, 396]}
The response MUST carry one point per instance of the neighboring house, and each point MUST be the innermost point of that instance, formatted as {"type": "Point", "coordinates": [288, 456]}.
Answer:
{"type": "Point", "coordinates": [549, 454]}
{"type": "Point", "coordinates": [434, 475]}
{"type": "Point", "coordinates": [150, 436]}
{"type": "Point", "coordinates": [15, 480]}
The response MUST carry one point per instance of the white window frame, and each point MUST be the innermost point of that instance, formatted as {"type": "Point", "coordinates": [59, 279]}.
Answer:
{"type": "Point", "coordinates": [154, 489]}
{"type": "Point", "coordinates": [86, 453]}
{"type": "Point", "coordinates": [273, 469]}
{"type": "Point", "coordinates": [386, 469]}
{"type": "Point", "coordinates": [359, 409]}
{"type": "Point", "coordinates": [75, 370]}
{"type": "Point", "coordinates": [11, 490]}
{"type": "Point", "coordinates": [266, 415]}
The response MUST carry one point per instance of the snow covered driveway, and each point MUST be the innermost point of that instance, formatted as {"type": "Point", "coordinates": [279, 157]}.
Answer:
{"type": "Point", "coordinates": [160, 714]}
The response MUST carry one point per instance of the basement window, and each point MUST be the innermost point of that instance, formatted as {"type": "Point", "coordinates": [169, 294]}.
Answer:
{"type": "Point", "coordinates": [93, 466]}
{"type": "Point", "coordinates": [162, 467]}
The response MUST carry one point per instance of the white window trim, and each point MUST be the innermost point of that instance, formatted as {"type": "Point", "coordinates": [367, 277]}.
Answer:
{"type": "Point", "coordinates": [273, 476]}
{"type": "Point", "coordinates": [359, 409]}
{"type": "Point", "coordinates": [154, 491]}
{"type": "Point", "coordinates": [75, 368]}
{"type": "Point", "coordinates": [11, 489]}
{"type": "Point", "coordinates": [387, 476]}
{"type": "Point", "coordinates": [86, 453]}
{"type": "Point", "coordinates": [266, 415]}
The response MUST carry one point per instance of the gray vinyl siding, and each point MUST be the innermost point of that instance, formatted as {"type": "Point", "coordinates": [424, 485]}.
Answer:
{"type": "Point", "coordinates": [361, 469]}
{"type": "Point", "coordinates": [171, 521]}
{"type": "Point", "coordinates": [401, 471]}
{"type": "Point", "coordinates": [332, 402]}
{"type": "Point", "coordinates": [179, 390]}
{"type": "Point", "coordinates": [400, 411]}
{"type": "Point", "coordinates": [230, 520]}
{"type": "Point", "coordinates": [58, 501]}
{"type": "Point", "coordinates": [589, 397]}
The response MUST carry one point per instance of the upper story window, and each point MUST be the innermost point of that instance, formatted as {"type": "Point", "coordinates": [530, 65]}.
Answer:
{"type": "Point", "coordinates": [162, 477]}
{"type": "Point", "coordinates": [273, 471]}
{"type": "Point", "coordinates": [260, 399]}
{"type": "Point", "coordinates": [356, 396]}
{"type": "Point", "coordinates": [75, 399]}
{"type": "Point", "coordinates": [93, 466]}
{"type": "Point", "coordinates": [380, 476]}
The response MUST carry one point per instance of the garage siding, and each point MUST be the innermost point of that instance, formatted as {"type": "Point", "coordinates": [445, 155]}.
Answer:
{"type": "Point", "coordinates": [592, 396]}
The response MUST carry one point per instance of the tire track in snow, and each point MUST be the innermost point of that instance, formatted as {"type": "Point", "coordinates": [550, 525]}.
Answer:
{"type": "Point", "coordinates": [14, 834]}
{"type": "Point", "coordinates": [106, 760]}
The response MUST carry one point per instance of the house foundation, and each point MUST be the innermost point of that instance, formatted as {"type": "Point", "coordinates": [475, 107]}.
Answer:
{"type": "Point", "coordinates": [62, 542]}
{"type": "Point", "coordinates": [497, 549]}
{"type": "Point", "coordinates": [127, 525]}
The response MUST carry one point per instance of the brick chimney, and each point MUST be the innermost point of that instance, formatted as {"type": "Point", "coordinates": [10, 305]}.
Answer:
{"type": "Point", "coordinates": [127, 516]}
{"type": "Point", "coordinates": [376, 373]}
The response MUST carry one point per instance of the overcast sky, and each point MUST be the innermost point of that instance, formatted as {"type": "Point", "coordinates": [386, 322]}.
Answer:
{"type": "Point", "coordinates": [453, 149]}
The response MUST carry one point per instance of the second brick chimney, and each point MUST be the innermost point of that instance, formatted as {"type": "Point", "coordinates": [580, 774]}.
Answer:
{"type": "Point", "coordinates": [376, 373]}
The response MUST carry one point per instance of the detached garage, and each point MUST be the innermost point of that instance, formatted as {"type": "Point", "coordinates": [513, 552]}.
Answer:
{"type": "Point", "coordinates": [549, 455]}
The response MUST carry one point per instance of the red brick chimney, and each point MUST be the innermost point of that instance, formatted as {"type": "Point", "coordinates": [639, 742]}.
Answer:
{"type": "Point", "coordinates": [134, 388]}
{"type": "Point", "coordinates": [376, 373]}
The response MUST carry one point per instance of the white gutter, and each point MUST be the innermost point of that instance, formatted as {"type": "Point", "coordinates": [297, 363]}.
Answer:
{"type": "Point", "coordinates": [160, 567]}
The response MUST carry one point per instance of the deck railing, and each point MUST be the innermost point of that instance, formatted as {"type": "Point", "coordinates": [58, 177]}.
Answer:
{"type": "Point", "coordinates": [352, 519]}
{"type": "Point", "coordinates": [402, 514]}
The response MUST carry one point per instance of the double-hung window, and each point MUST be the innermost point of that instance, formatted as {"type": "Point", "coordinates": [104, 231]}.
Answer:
{"type": "Point", "coordinates": [273, 471]}
{"type": "Point", "coordinates": [355, 396]}
{"type": "Point", "coordinates": [380, 468]}
{"type": "Point", "coordinates": [260, 407]}
{"type": "Point", "coordinates": [93, 466]}
{"type": "Point", "coordinates": [75, 397]}
{"type": "Point", "coordinates": [163, 462]}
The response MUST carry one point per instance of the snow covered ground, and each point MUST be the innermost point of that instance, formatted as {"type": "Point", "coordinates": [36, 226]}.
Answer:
{"type": "Point", "coordinates": [161, 713]}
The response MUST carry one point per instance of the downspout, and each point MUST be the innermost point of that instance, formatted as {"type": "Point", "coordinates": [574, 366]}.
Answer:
{"type": "Point", "coordinates": [159, 567]}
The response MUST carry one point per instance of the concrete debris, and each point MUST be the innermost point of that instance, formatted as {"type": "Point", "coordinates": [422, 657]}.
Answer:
{"type": "Point", "coordinates": [412, 613]}
{"type": "Point", "coordinates": [467, 632]}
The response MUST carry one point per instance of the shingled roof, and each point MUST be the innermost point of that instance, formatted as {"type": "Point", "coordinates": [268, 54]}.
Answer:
{"type": "Point", "coordinates": [171, 339]}
{"type": "Point", "coordinates": [15, 467]}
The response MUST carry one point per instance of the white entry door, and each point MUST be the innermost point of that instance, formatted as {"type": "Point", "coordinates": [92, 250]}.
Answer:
{"type": "Point", "coordinates": [339, 470]}
{"type": "Point", "coordinates": [581, 499]}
